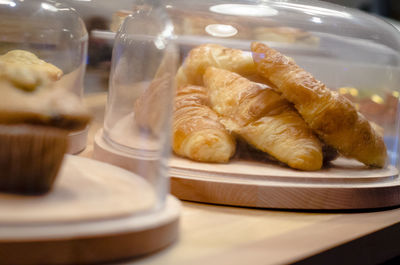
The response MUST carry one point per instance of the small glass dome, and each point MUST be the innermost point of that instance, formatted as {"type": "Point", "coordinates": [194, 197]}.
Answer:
{"type": "Point", "coordinates": [54, 33]}
{"type": "Point", "coordinates": [138, 113]}
{"type": "Point", "coordinates": [294, 84]}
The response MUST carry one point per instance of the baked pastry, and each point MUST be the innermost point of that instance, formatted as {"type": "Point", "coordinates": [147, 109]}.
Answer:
{"type": "Point", "coordinates": [286, 35]}
{"type": "Point", "coordinates": [263, 118]}
{"type": "Point", "coordinates": [332, 117]}
{"type": "Point", "coordinates": [35, 119]}
{"type": "Point", "coordinates": [197, 132]}
{"type": "Point", "coordinates": [16, 58]}
{"type": "Point", "coordinates": [203, 56]}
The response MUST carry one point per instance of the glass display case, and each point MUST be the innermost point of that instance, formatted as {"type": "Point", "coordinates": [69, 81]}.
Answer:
{"type": "Point", "coordinates": [283, 95]}
{"type": "Point", "coordinates": [54, 33]}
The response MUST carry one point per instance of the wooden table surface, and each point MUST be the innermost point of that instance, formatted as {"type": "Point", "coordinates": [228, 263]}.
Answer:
{"type": "Point", "coordinates": [212, 234]}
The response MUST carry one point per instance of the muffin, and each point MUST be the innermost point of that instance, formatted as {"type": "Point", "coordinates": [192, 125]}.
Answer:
{"type": "Point", "coordinates": [35, 119]}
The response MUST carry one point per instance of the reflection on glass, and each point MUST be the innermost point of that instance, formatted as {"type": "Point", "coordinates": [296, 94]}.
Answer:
{"type": "Point", "coordinates": [244, 10]}
{"type": "Point", "coordinates": [221, 30]}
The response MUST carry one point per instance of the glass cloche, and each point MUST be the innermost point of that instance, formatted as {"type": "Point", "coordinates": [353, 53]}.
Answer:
{"type": "Point", "coordinates": [137, 119]}
{"type": "Point", "coordinates": [255, 88]}
{"type": "Point", "coordinates": [52, 32]}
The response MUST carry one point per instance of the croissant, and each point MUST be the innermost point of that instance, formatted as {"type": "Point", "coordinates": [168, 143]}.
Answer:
{"type": "Point", "coordinates": [197, 132]}
{"type": "Point", "coordinates": [203, 56]}
{"type": "Point", "coordinates": [263, 118]}
{"type": "Point", "coordinates": [333, 117]}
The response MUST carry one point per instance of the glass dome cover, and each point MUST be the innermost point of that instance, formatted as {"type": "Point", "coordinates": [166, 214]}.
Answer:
{"type": "Point", "coordinates": [52, 31]}
{"type": "Point", "coordinates": [138, 111]}
{"type": "Point", "coordinates": [309, 50]}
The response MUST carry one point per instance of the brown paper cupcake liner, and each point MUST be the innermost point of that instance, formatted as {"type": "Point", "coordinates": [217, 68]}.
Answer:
{"type": "Point", "coordinates": [30, 157]}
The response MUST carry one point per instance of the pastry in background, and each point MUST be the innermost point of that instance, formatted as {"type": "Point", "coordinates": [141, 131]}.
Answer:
{"type": "Point", "coordinates": [263, 119]}
{"type": "Point", "coordinates": [194, 23]}
{"type": "Point", "coordinates": [332, 117]}
{"type": "Point", "coordinates": [285, 35]}
{"type": "Point", "coordinates": [118, 18]}
{"type": "Point", "coordinates": [197, 131]}
{"type": "Point", "coordinates": [203, 56]}
{"type": "Point", "coordinates": [35, 119]}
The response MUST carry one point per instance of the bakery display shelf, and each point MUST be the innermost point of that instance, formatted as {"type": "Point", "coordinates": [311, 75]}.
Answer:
{"type": "Point", "coordinates": [96, 212]}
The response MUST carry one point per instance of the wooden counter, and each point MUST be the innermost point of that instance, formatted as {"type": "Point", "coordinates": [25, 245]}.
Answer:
{"type": "Point", "coordinates": [212, 234]}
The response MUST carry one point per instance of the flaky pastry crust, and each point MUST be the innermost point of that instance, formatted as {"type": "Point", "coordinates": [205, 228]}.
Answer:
{"type": "Point", "coordinates": [203, 56]}
{"type": "Point", "coordinates": [333, 117]}
{"type": "Point", "coordinates": [197, 132]}
{"type": "Point", "coordinates": [263, 118]}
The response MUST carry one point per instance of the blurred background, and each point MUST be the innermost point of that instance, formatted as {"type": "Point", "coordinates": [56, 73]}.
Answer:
{"type": "Point", "coordinates": [90, 9]}
{"type": "Point", "coordinates": [386, 8]}
{"type": "Point", "coordinates": [103, 17]}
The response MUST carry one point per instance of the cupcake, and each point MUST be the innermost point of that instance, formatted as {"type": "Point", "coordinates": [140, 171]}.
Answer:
{"type": "Point", "coordinates": [35, 119]}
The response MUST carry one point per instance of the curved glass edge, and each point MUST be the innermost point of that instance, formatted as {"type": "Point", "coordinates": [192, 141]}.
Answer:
{"type": "Point", "coordinates": [356, 54]}
{"type": "Point", "coordinates": [144, 58]}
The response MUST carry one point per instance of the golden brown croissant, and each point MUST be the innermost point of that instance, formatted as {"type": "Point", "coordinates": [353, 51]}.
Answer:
{"type": "Point", "coordinates": [203, 56]}
{"type": "Point", "coordinates": [197, 132]}
{"type": "Point", "coordinates": [263, 118]}
{"type": "Point", "coordinates": [333, 117]}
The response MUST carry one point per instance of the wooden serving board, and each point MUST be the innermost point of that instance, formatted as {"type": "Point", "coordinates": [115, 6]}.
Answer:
{"type": "Point", "coordinates": [84, 190]}
{"type": "Point", "coordinates": [96, 212]}
{"type": "Point", "coordinates": [347, 184]}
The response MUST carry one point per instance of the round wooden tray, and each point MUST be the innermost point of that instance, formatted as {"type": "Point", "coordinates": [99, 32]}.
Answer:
{"type": "Point", "coordinates": [96, 212]}
{"type": "Point", "coordinates": [347, 184]}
